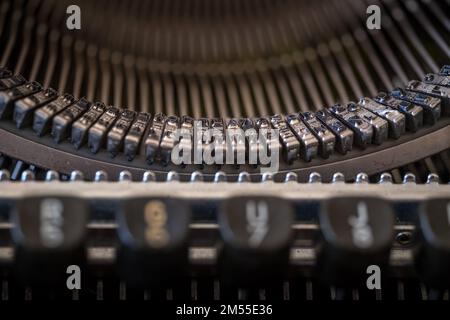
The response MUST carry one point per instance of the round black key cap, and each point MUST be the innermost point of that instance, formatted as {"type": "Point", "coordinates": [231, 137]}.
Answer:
{"type": "Point", "coordinates": [432, 256]}
{"type": "Point", "coordinates": [356, 233]}
{"type": "Point", "coordinates": [49, 234]}
{"type": "Point", "coordinates": [154, 241]}
{"type": "Point", "coordinates": [256, 233]}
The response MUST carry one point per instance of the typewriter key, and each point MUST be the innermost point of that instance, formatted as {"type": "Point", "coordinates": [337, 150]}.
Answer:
{"type": "Point", "coordinates": [433, 254]}
{"type": "Point", "coordinates": [154, 235]}
{"type": "Point", "coordinates": [48, 234]}
{"type": "Point", "coordinates": [355, 233]}
{"type": "Point", "coordinates": [256, 233]}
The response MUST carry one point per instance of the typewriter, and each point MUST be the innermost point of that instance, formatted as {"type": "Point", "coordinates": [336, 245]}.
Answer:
{"type": "Point", "coordinates": [207, 151]}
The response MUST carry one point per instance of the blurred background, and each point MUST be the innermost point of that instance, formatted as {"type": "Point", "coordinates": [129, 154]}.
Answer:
{"type": "Point", "coordinates": [227, 58]}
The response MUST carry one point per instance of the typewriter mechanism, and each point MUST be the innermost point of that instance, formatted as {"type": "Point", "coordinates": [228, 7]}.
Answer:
{"type": "Point", "coordinates": [225, 150]}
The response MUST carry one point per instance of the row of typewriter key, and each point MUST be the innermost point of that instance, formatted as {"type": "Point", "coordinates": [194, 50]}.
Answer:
{"type": "Point", "coordinates": [256, 237]}
{"type": "Point", "coordinates": [302, 135]}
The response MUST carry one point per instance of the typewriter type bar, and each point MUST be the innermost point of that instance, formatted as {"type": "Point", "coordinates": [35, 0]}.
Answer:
{"type": "Point", "coordinates": [394, 117]}
{"type": "Point", "coordinates": [431, 106]}
{"type": "Point", "coordinates": [265, 138]}
{"type": "Point", "coordinates": [309, 142]}
{"type": "Point", "coordinates": [168, 140]}
{"type": "Point", "coordinates": [44, 115]}
{"type": "Point", "coordinates": [236, 142]}
{"type": "Point", "coordinates": [62, 122]}
{"type": "Point", "coordinates": [445, 71]}
{"type": "Point", "coordinates": [288, 140]}
{"type": "Point", "coordinates": [380, 126]}
{"type": "Point", "coordinates": [343, 135]}
{"type": "Point", "coordinates": [362, 128]}
{"type": "Point", "coordinates": [436, 91]}
{"type": "Point", "coordinates": [24, 108]}
{"type": "Point", "coordinates": [437, 79]}
{"type": "Point", "coordinates": [412, 112]}
{"type": "Point", "coordinates": [134, 136]}
{"type": "Point", "coordinates": [5, 73]}
{"type": "Point", "coordinates": [116, 136]}
{"type": "Point", "coordinates": [98, 132]}
{"type": "Point", "coordinates": [8, 82]}
{"type": "Point", "coordinates": [251, 139]}
{"type": "Point", "coordinates": [326, 138]}
{"type": "Point", "coordinates": [10, 96]}
{"type": "Point", "coordinates": [81, 127]}
{"type": "Point", "coordinates": [202, 139]}
{"type": "Point", "coordinates": [154, 137]}
{"type": "Point", "coordinates": [218, 140]}
{"type": "Point", "coordinates": [186, 139]}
